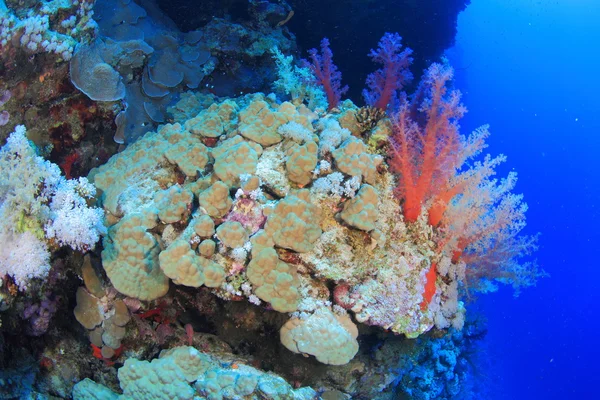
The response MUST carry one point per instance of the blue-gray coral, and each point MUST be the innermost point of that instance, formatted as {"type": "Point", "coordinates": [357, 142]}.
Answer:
{"type": "Point", "coordinates": [95, 77]}
{"type": "Point", "coordinates": [140, 58]}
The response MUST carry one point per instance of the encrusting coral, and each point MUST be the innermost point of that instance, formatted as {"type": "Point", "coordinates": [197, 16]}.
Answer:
{"type": "Point", "coordinates": [181, 372]}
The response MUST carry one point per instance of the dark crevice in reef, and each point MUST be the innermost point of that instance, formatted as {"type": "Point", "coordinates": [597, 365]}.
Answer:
{"type": "Point", "coordinates": [353, 27]}
{"type": "Point", "coordinates": [191, 15]}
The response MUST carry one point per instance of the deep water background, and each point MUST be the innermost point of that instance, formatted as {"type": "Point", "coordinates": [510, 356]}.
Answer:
{"type": "Point", "coordinates": [530, 69]}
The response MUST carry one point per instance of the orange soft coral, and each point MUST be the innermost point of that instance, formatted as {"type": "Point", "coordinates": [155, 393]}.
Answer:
{"type": "Point", "coordinates": [429, 291]}
{"type": "Point", "coordinates": [477, 218]}
{"type": "Point", "coordinates": [426, 140]}
{"type": "Point", "coordinates": [428, 151]}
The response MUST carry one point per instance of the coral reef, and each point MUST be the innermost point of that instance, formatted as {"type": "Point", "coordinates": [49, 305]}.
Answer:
{"type": "Point", "coordinates": [181, 372]}
{"type": "Point", "coordinates": [55, 27]}
{"type": "Point", "coordinates": [299, 222]}
{"type": "Point", "coordinates": [240, 245]}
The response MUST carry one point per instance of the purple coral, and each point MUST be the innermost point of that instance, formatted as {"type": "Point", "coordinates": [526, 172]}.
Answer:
{"type": "Point", "coordinates": [326, 73]}
{"type": "Point", "coordinates": [4, 97]}
{"type": "Point", "coordinates": [387, 81]}
{"type": "Point", "coordinates": [39, 315]}
{"type": "Point", "coordinates": [4, 115]}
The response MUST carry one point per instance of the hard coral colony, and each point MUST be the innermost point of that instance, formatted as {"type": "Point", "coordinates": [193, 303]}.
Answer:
{"type": "Point", "coordinates": [225, 221]}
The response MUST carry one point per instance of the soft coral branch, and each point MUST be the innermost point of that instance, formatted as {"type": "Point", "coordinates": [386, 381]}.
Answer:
{"type": "Point", "coordinates": [426, 147]}
{"type": "Point", "coordinates": [386, 82]}
{"type": "Point", "coordinates": [463, 179]}
{"type": "Point", "coordinates": [484, 214]}
{"type": "Point", "coordinates": [326, 73]}
{"type": "Point", "coordinates": [502, 263]}
{"type": "Point", "coordinates": [476, 219]}
{"type": "Point", "coordinates": [482, 228]}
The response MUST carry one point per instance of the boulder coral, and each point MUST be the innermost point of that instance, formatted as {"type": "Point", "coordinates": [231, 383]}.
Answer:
{"type": "Point", "coordinates": [333, 249]}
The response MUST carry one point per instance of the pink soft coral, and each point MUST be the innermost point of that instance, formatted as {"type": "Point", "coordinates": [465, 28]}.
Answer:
{"type": "Point", "coordinates": [386, 82]}
{"type": "Point", "coordinates": [326, 73]}
{"type": "Point", "coordinates": [482, 227]}
{"type": "Point", "coordinates": [477, 219]}
{"type": "Point", "coordinates": [484, 214]}
{"type": "Point", "coordinates": [427, 148]}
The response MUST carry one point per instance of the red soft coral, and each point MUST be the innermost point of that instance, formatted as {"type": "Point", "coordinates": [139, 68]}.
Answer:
{"type": "Point", "coordinates": [386, 82]}
{"type": "Point", "coordinates": [477, 219]}
{"type": "Point", "coordinates": [428, 151]}
{"type": "Point", "coordinates": [326, 73]}
{"type": "Point", "coordinates": [426, 146]}
{"type": "Point", "coordinates": [430, 287]}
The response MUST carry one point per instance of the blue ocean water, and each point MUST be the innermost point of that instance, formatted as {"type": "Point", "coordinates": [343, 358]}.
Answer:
{"type": "Point", "coordinates": [530, 69]}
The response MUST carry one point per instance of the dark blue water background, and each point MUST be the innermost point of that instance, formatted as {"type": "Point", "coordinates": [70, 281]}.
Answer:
{"type": "Point", "coordinates": [532, 70]}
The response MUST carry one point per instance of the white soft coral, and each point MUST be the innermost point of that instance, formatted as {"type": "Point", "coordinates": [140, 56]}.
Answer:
{"type": "Point", "coordinates": [72, 223]}
{"type": "Point", "coordinates": [38, 204]}
{"type": "Point", "coordinates": [24, 173]}
{"type": "Point", "coordinates": [24, 257]}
